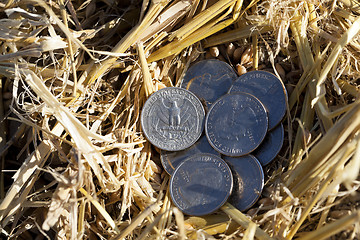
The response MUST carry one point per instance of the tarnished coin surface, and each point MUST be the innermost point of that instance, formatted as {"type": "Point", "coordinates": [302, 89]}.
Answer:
{"type": "Point", "coordinates": [236, 124]}
{"type": "Point", "coordinates": [271, 145]}
{"type": "Point", "coordinates": [248, 181]}
{"type": "Point", "coordinates": [268, 88]}
{"type": "Point", "coordinates": [172, 119]}
{"type": "Point", "coordinates": [171, 160]}
{"type": "Point", "coordinates": [201, 184]}
{"type": "Point", "coordinates": [209, 79]}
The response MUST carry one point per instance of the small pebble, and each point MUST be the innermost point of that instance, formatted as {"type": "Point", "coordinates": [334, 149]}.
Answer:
{"type": "Point", "coordinates": [214, 51]}
{"type": "Point", "coordinates": [246, 57]}
{"type": "Point", "coordinates": [230, 50]}
{"type": "Point", "coordinates": [237, 55]}
{"type": "Point", "coordinates": [339, 213]}
{"type": "Point", "coordinates": [240, 69]}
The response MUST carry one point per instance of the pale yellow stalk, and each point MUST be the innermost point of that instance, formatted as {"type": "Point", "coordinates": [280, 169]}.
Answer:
{"type": "Point", "coordinates": [338, 48]}
{"type": "Point", "coordinates": [241, 219]}
{"type": "Point", "coordinates": [201, 19]}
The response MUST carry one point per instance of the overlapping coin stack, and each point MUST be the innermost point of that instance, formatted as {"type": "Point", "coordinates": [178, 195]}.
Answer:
{"type": "Point", "coordinates": [243, 132]}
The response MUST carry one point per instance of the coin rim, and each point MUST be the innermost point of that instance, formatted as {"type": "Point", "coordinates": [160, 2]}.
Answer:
{"type": "Point", "coordinates": [207, 118]}
{"type": "Point", "coordinates": [202, 113]}
{"type": "Point", "coordinates": [171, 185]}
{"type": "Point", "coordinates": [216, 61]}
{"type": "Point", "coordinates": [262, 180]}
{"type": "Point", "coordinates": [164, 157]}
{"type": "Point", "coordinates": [209, 60]}
{"type": "Point", "coordinates": [278, 80]}
{"type": "Point", "coordinates": [279, 148]}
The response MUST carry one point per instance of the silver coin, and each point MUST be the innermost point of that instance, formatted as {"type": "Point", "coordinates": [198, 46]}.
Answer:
{"type": "Point", "coordinates": [201, 184]}
{"type": "Point", "coordinates": [172, 119]}
{"type": "Point", "coordinates": [268, 88]}
{"type": "Point", "coordinates": [248, 181]}
{"type": "Point", "coordinates": [236, 124]}
{"type": "Point", "coordinates": [209, 79]}
{"type": "Point", "coordinates": [271, 145]}
{"type": "Point", "coordinates": [171, 160]}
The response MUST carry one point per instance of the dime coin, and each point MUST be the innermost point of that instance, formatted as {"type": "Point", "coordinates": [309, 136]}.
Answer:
{"type": "Point", "coordinates": [172, 119]}
{"type": "Point", "coordinates": [248, 181]}
{"type": "Point", "coordinates": [268, 88]}
{"type": "Point", "coordinates": [201, 184]}
{"type": "Point", "coordinates": [271, 145]}
{"type": "Point", "coordinates": [209, 79]}
{"type": "Point", "coordinates": [171, 160]}
{"type": "Point", "coordinates": [236, 124]}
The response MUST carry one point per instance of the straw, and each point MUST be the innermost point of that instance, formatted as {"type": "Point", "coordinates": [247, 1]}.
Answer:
{"type": "Point", "coordinates": [76, 74]}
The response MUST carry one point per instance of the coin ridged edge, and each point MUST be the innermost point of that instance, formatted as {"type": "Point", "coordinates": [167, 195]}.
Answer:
{"type": "Point", "coordinates": [210, 60]}
{"type": "Point", "coordinates": [280, 125]}
{"type": "Point", "coordinates": [279, 80]}
{"type": "Point", "coordinates": [258, 164]}
{"type": "Point", "coordinates": [208, 114]}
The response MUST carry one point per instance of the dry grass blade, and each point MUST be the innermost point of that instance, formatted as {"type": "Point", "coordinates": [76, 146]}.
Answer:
{"type": "Point", "coordinates": [201, 19]}
{"type": "Point", "coordinates": [333, 228]}
{"type": "Point", "coordinates": [176, 46]}
{"type": "Point", "coordinates": [2, 143]}
{"type": "Point", "coordinates": [180, 222]}
{"type": "Point", "coordinates": [94, 70]}
{"type": "Point", "coordinates": [76, 74]}
{"type": "Point", "coordinates": [237, 34]}
{"type": "Point", "coordinates": [241, 219]}
{"type": "Point", "coordinates": [145, 70]}
{"type": "Point", "coordinates": [102, 211]}
{"type": "Point", "coordinates": [78, 131]}
{"type": "Point", "coordinates": [324, 185]}
{"type": "Point", "coordinates": [328, 145]}
{"type": "Point", "coordinates": [307, 59]}
{"type": "Point", "coordinates": [169, 17]}
{"type": "Point", "coordinates": [33, 162]}
{"type": "Point", "coordinates": [250, 231]}
{"type": "Point", "coordinates": [136, 222]}
{"type": "Point", "coordinates": [62, 26]}
{"type": "Point", "coordinates": [341, 43]}
{"type": "Point", "coordinates": [306, 121]}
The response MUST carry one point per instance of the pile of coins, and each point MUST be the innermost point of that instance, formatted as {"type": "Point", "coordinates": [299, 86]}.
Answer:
{"type": "Point", "coordinates": [240, 115]}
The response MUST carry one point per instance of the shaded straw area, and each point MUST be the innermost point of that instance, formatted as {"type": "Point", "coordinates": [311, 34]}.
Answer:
{"type": "Point", "coordinates": [75, 75]}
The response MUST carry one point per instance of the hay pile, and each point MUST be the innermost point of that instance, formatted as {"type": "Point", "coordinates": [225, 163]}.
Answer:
{"type": "Point", "coordinates": [75, 74]}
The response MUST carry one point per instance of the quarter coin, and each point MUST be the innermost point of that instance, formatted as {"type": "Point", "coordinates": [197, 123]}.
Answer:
{"type": "Point", "coordinates": [248, 181]}
{"type": "Point", "coordinates": [201, 184]}
{"type": "Point", "coordinates": [172, 119]}
{"type": "Point", "coordinates": [236, 124]}
{"type": "Point", "coordinates": [171, 160]}
{"type": "Point", "coordinates": [268, 88]}
{"type": "Point", "coordinates": [209, 79]}
{"type": "Point", "coordinates": [271, 145]}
